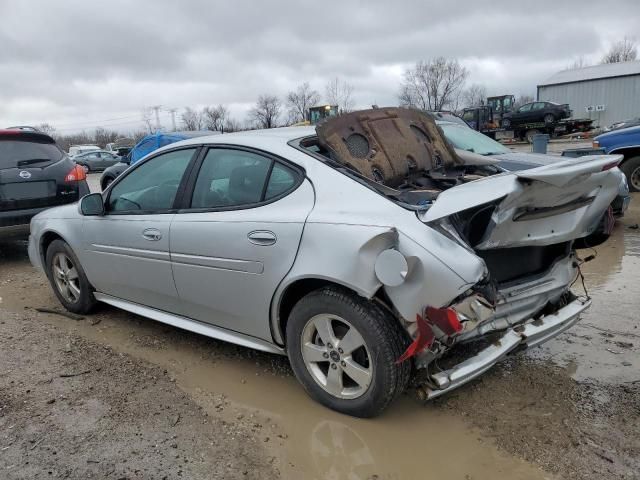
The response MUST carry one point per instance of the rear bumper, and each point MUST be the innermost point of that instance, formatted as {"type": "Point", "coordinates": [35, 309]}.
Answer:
{"type": "Point", "coordinates": [15, 223]}
{"type": "Point", "coordinates": [620, 205]}
{"type": "Point", "coordinates": [528, 335]}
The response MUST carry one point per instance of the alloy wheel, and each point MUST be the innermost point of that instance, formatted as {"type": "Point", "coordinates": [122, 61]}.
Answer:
{"type": "Point", "coordinates": [336, 356]}
{"type": "Point", "coordinates": [65, 276]}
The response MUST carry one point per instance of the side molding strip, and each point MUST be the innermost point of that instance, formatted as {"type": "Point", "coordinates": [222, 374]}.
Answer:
{"type": "Point", "coordinates": [191, 325]}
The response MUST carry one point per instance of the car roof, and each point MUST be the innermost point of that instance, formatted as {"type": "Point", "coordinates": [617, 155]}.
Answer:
{"type": "Point", "coordinates": [27, 135]}
{"type": "Point", "coordinates": [280, 134]}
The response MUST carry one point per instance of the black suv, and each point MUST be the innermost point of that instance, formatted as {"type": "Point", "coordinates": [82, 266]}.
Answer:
{"type": "Point", "coordinates": [536, 112]}
{"type": "Point", "coordinates": [35, 174]}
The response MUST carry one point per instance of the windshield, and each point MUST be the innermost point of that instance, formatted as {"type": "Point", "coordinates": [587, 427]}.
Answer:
{"type": "Point", "coordinates": [465, 138]}
{"type": "Point", "coordinates": [19, 153]}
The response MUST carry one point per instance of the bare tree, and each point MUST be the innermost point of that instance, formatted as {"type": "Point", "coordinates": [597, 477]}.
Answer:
{"type": "Point", "coordinates": [192, 119]}
{"type": "Point", "coordinates": [299, 101]}
{"type": "Point", "coordinates": [579, 62]}
{"type": "Point", "coordinates": [475, 95]}
{"type": "Point", "coordinates": [522, 99]}
{"type": "Point", "coordinates": [624, 50]}
{"type": "Point", "coordinates": [433, 84]}
{"type": "Point", "coordinates": [266, 112]}
{"type": "Point", "coordinates": [232, 125]}
{"type": "Point", "coordinates": [340, 93]}
{"type": "Point", "coordinates": [214, 118]}
{"type": "Point", "coordinates": [104, 136]}
{"type": "Point", "coordinates": [47, 128]}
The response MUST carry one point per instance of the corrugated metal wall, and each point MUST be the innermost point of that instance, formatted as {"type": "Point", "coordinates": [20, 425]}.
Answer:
{"type": "Point", "coordinates": [621, 97]}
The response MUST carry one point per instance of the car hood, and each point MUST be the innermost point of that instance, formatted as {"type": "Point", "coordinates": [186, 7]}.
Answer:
{"type": "Point", "coordinates": [619, 132]}
{"type": "Point", "coordinates": [387, 145]}
{"type": "Point", "coordinates": [535, 159]}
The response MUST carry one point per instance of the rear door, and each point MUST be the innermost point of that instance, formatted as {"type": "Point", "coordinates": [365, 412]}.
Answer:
{"type": "Point", "coordinates": [238, 237]}
{"type": "Point", "coordinates": [126, 252]}
{"type": "Point", "coordinates": [523, 114]}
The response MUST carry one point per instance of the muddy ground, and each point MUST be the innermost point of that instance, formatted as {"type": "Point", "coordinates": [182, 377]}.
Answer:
{"type": "Point", "coordinates": [117, 396]}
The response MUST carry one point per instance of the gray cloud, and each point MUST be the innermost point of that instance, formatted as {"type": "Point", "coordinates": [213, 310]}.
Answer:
{"type": "Point", "coordinates": [76, 63]}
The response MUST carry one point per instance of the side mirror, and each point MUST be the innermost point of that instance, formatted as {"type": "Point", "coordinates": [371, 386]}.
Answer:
{"type": "Point", "coordinates": [92, 205]}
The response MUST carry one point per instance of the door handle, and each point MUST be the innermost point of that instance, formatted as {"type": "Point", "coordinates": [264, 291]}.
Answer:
{"type": "Point", "coordinates": [152, 234]}
{"type": "Point", "coordinates": [262, 237]}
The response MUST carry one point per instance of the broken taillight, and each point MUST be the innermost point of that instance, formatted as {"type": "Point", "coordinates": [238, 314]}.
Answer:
{"type": "Point", "coordinates": [444, 319]}
{"type": "Point", "coordinates": [76, 174]}
{"type": "Point", "coordinates": [611, 165]}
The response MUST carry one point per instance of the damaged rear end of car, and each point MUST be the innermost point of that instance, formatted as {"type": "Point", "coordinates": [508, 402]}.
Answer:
{"type": "Point", "coordinates": [518, 229]}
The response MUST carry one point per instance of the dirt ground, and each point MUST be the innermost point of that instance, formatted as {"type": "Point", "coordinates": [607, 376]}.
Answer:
{"type": "Point", "coordinates": [117, 396]}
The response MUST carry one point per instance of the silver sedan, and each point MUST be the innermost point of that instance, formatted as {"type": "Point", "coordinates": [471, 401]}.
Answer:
{"type": "Point", "coordinates": [365, 250]}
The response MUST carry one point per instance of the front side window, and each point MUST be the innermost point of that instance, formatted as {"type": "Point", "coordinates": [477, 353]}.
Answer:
{"type": "Point", "coordinates": [538, 106]}
{"type": "Point", "coordinates": [153, 185]}
{"type": "Point", "coordinates": [235, 178]}
{"type": "Point", "coordinates": [525, 108]}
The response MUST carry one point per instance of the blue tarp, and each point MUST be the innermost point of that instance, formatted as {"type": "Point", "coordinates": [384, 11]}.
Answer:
{"type": "Point", "coordinates": [153, 142]}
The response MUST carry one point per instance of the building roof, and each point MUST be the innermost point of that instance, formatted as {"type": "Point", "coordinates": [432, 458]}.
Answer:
{"type": "Point", "coordinates": [594, 72]}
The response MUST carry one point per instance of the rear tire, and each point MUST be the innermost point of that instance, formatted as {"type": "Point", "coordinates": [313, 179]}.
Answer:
{"type": "Point", "coordinates": [530, 134]}
{"type": "Point", "coordinates": [325, 321]}
{"type": "Point", "coordinates": [106, 182]}
{"type": "Point", "coordinates": [67, 278]}
{"type": "Point", "coordinates": [549, 118]}
{"type": "Point", "coordinates": [631, 168]}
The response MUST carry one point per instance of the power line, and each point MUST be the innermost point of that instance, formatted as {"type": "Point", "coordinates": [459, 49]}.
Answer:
{"type": "Point", "coordinates": [98, 121]}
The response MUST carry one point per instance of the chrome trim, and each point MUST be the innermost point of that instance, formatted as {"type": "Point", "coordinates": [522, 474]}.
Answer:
{"type": "Point", "coordinates": [232, 264]}
{"type": "Point", "coordinates": [191, 325]}
{"type": "Point", "coordinates": [531, 334]}
{"type": "Point", "coordinates": [131, 252]}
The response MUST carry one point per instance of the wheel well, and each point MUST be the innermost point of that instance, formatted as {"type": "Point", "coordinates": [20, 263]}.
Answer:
{"type": "Point", "coordinates": [46, 240]}
{"type": "Point", "coordinates": [627, 152]}
{"type": "Point", "coordinates": [104, 179]}
{"type": "Point", "coordinates": [298, 289]}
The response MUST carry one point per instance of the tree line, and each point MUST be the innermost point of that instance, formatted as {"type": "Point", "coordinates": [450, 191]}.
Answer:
{"type": "Point", "coordinates": [435, 84]}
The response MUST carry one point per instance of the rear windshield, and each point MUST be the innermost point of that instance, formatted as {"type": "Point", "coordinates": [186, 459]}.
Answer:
{"type": "Point", "coordinates": [20, 153]}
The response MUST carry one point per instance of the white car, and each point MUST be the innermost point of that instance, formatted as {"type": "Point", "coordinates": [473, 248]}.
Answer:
{"type": "Point", "coordinates": [79, 149]}
{"type": "Point", "coordinates": [365, 250]}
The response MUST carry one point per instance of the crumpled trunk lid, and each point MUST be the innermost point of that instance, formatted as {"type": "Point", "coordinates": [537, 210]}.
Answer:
{"type": "Point", "coordinates": [547, 205]}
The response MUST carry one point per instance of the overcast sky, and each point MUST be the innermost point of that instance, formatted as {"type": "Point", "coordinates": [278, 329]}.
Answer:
{"type": "Point", "coordinates": [84, 63]}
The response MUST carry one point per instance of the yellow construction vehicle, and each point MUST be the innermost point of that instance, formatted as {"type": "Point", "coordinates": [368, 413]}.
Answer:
{"type": "Point", "coordinates": [317, 114]}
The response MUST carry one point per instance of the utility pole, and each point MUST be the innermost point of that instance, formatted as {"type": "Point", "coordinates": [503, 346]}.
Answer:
{"type": "Point", "coordinates": [173, 111]}
{"type": "Point", "coordinates": [156, 108]}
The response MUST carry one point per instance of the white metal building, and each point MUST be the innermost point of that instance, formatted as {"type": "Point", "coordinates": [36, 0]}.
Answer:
{"type": "Point", "coordinates": [606, 93]}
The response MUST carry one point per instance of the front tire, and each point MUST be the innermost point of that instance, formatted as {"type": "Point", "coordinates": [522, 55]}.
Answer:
{"type": "Point", "coordinates": [343, 350]}
{"type": "Point", "coordinates": [631, 168]}
{"type": "Point", "coordinates": [549, 118]}
{"type": "Point", "coordinates": [67, 278]}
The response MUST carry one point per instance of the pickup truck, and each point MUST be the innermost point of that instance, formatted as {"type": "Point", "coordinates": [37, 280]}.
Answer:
{"type": "Point", "coordinates": [626, 142]}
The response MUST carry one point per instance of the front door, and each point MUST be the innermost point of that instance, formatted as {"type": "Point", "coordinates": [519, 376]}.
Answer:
{"type": "Point", "coordinates": [239, 237]}
{"type": "Point", "coordinates": [127, 250]}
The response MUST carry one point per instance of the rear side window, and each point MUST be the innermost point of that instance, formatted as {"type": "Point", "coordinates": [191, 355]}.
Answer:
{"type": "Point", "coordinates": [20, 153]}
{"type": "Point", "coordinates": [236, 178]}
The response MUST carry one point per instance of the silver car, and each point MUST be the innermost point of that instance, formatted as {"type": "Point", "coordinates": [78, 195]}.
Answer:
{"type": "Point", "coordinates": [364, 249]}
